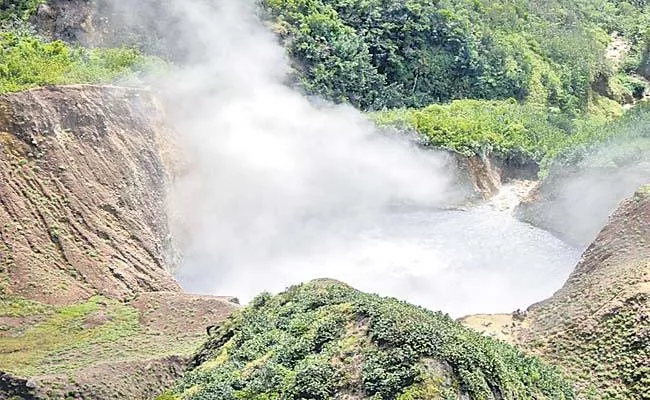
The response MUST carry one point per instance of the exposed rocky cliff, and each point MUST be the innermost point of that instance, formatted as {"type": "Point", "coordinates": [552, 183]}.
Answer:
{"type": "Point", "coordinates": [88, 309]}
{"type": "Point", "coordinates": [597, 327]}
{"type": "Point", "coordinates": [146, 24]}
{"type": "Point", "coordinates": [82, 196]}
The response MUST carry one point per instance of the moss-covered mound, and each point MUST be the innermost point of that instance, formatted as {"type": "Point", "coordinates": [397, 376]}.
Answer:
{"type": "Point", "coordinates": [326, 340]}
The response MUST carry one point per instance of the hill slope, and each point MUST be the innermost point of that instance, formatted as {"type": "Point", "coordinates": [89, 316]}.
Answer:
{"type": "Point", "coordinates": [324, 340]}
{"type": "Point", "coordinates": [88, 308]}
{"type": "Point", "coordinates": [81, 200]}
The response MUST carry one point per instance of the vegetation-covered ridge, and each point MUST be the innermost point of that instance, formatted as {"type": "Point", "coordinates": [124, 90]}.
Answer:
{"type": "Point", "coordinates": [520, 79]}
{"type": "Point", "coordinates": [324, 339]}
{"type": "Point", "coordinates": [28, 60]}
{"type": "Point", "coordinates": [516, 132]}
{"type": "Point", "coordinates": [377, 54]}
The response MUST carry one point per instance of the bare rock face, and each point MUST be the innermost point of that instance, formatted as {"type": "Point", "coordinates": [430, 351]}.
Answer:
{"type": "Point", "coordinates": [67, 20]}
{"type": "Point", "coordinates": [82, 192]}
{"type": "Point", "coordinates": [481, 173]}
{"type": "Point", "coordinates": [149, 25]}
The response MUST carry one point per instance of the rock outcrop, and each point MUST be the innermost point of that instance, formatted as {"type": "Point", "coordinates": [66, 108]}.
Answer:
{"type": "Point", "coordinates": [82, 194]}
{"type": "Point", "coordinates": [480, 174]}
{"type": "Point", "coordinates": [146, 24]}
{"type": "Point", "coordinates": [597, 327]}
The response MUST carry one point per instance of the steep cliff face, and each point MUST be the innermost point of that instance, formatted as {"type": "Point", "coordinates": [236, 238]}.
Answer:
{"type": "Point", "coordinates": [597, 327]}
{"type": "Point", "coordinates": [149, 25]}
{"type": "Point", "coordinates": [82, 195]}
{"type": "Point", "coordinates": [88, 309]}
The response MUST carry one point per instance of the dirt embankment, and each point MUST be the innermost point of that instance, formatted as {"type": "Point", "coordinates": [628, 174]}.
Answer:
{"type": "Point", "coordinates": [596, 327]}
{"type": "Point", "coordinates": [82, 195]}
{"type": "Point", "coordinates": [88, 309]}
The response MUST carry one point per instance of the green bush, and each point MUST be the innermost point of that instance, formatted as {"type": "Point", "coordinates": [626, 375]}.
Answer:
{"type": "Point", "coordinates": [377, 54]}
{"type": "Point", "coordinates": [20, 9]}
{"type": "Point", "coordinates": [323, 339]}
{"type": "Point", "coordinates": [27, 61]}
{"type": "Point", "coordinates": [624, 140]}
{"type": "Point", "coordinates": [503, 128]}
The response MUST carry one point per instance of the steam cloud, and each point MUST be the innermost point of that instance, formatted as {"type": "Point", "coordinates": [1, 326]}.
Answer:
{"type": "Point", "coordinates": [281, 188]}
{"type": "Point", "coordinates": [274, 173]}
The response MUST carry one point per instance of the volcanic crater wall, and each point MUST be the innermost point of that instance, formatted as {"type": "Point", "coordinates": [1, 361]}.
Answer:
{"type": "Point", "coordinates": [82, 189]}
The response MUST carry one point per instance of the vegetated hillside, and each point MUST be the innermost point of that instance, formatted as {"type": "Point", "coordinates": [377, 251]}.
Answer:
{"type": "Point", "coordinates": [412, 53]}
{"type": "Point", "coordinates": [597, 327]}
{"type": "Point", "coordinates": [523, 78]}
{"type": "Point", "coordinates": [325, 340]}
{"type": "Point", "coordinates": [570, 200]}
{"type": "Point", "coordinates": [523, 88]}
{"type": "Point", "coordinates": [87, 306]}
{"type": "Point", "coordinates": [28, 61]}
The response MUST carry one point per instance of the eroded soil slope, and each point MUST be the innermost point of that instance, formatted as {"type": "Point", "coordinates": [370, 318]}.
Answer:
{"type": "Point", "coordinates": [598, 325]}
{"type": "Point", "coordinates": [82, 189]}
{"type": "Point", "coordinates": [88, 309]}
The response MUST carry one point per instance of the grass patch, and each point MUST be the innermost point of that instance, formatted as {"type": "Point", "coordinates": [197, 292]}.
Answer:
{"type": "Point", "coordinates": [62, 331]}
{"type": "Point", "coordinates": [16, 307]}
{"type": "Point", "coordinates": [38, 339]}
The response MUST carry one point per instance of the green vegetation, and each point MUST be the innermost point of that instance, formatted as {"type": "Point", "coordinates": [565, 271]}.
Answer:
{"type": "Point", "coordinates": [62, 331]}
{"type": "Point", "coordinates": [20, 9]}
{"type": "Point", "coordinates": [40, 339]}
{"type": "Point", "coordinates": [27, 61]}
{"type": "Point", "coordinates": [618, 143]}
{"type": "Point", "coordinates": [609, 360]}
{"type": "Point", "coordinates": [504, 127]}
{"type": "Point", "coordinates": [377, 54]}
{"type": "Point", "coordinates": [519, 79]}
{"type": "Point", "coordinates": [324, 338]}
{"type": "Point", "coordinates": [512, 131]}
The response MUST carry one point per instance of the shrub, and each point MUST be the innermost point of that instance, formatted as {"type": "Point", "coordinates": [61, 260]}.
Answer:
{"type": "Point", "coordinates": [376, 348]}
{"type": "Point", "coordinates": [28, 61]}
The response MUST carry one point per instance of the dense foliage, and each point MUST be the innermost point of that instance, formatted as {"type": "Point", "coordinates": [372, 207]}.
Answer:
{"type": "Point", "coordinates": [28, 61]}
{"type": "Point", "coordinates": [377, 53]}
{"type": "Point", "coordinates": [624, 141]}
{"type": "Point", "coordinates": [512, 131]}
{"type": "Point", "coordinates": [20, 9]}
{"type": "Point", "coordinates": [324, 338]}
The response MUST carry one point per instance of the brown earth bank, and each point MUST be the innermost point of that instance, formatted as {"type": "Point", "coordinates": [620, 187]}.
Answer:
{"type": "Point", "coordinates": [82, 191]}
{"type": "Point", "coordinates": [104, 349]}
{"type": "Point", "coordinates": [88, 308]}
{"type": "Point", "coordinates": [597, 326]}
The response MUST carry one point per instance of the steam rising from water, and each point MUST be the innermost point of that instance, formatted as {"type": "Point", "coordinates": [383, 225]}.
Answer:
{"type": "Point", "coordinates": [282, 190]}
